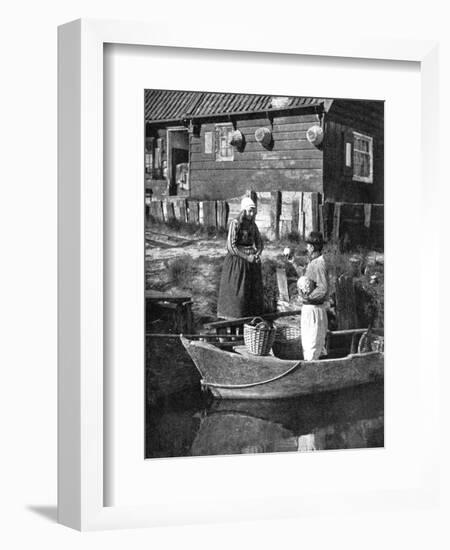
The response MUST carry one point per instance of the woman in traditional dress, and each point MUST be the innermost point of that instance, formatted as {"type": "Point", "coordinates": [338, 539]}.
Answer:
{"type": "Point", "coordinates": [241, 288]}
{"type": "Point", "coordinates": [313, 290]}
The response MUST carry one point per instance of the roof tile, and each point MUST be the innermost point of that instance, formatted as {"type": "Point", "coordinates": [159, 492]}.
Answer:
{"type": "Point", "coordinates": [171, 105]}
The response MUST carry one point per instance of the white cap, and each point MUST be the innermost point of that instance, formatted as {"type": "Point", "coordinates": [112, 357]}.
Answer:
{"type": "Point", "coordinates": [247, 203]}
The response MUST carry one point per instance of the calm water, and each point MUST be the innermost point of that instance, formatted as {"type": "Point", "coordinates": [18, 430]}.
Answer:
{"type": "Point", "coordinates": [197, 425]}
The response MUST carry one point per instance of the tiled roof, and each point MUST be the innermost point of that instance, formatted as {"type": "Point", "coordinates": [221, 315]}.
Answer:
{"type": "Point", "coordinates": [173, 105]}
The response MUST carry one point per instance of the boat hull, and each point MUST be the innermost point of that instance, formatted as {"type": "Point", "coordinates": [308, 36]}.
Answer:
{"type": "Point", "coordinates": [244, 376]}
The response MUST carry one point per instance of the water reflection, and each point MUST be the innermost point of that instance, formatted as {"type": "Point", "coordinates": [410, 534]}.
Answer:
{"type": "Point", "coordinates": [195, 426]}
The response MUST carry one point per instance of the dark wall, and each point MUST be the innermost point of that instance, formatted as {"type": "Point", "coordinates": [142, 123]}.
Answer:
{"type": "Point", "coordinates": [344, 117]}
{"type": "Point", "coordinates": [290, 164]}
{"type": "Point", "coordinates": [155, 180]}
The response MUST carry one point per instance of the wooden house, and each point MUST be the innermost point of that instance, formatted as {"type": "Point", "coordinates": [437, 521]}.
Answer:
{"type": "Point", "coordinates": [216, 146]}
{"type": "Point", "coordinates": [194, 128]}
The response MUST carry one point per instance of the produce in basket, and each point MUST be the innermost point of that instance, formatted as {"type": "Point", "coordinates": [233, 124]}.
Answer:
{"type": "Point", "coordinates": [260, 323]}
{"type": "Point", "coordinates": [306, 285]}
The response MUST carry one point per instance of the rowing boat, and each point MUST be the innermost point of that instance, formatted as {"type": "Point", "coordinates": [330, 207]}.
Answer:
{"type": "Point", "coordinates": [238, 374]}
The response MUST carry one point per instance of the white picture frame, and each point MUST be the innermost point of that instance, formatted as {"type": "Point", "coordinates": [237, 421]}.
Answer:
{"type": "Point", "coordinates": [81, 486]}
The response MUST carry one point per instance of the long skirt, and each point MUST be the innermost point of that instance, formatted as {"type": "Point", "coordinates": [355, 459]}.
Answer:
{"type": "Point", "coordinates": [241, 289]}
{"type": "Point", "coordinates": [314, 327]}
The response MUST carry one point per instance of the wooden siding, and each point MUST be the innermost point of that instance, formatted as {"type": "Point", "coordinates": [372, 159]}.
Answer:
{"type": "Point", "coordinates": [290, 164]}
{"type": "Point", "coordinates": [345, 117]}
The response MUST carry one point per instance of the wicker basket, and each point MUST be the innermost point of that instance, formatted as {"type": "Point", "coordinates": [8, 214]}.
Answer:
{"type": "Point", "coordinates": [263, 136]}
{"type": "Point", "coordinates": [288, 342]}
{"type": "Point", "coordinates": [259, 336]}
{"type": "Point", "coordinates": [315, 135]}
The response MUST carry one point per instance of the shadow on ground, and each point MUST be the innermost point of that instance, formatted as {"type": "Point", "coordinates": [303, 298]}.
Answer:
{"type": "Point", "coordinates": [47, 512]}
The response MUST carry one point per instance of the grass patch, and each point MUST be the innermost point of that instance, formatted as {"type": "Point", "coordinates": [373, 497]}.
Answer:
{"type": "Point", "coordinates": [294, 237]}
{"type": "Point", "coordinates": [270, 285]}
{"type": "Point", "coordinates": [337, 262]}
{"type": "Point", "coordinates": [180, 271]}
{"type": "Point", "coordinates": [368, 276]}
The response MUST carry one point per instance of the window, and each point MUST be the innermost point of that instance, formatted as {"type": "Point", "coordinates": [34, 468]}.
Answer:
{"type": "Point", "coordinates": [362, 158]}
{"type": "Point", "coordinates": [224, 151]}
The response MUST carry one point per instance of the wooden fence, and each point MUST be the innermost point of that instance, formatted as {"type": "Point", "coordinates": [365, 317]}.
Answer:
{"type": "Point", "coordinates": [350, 224]}
{"type": "Point", "coordinates": [207, 213]}
{"type": "Point", "coordinates": [284, 213]}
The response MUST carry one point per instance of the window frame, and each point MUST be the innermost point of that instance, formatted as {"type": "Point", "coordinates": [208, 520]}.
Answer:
{"type": "Point", "coordinates": [218, 156]}
{"type": "Point", "coordinates": [355, 177]}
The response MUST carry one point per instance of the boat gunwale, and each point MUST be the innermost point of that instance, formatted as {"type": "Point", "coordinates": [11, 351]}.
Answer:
{"type": "Point", "coordinates": [237, 356]}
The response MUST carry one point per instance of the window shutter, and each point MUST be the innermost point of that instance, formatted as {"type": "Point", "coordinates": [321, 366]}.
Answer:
{"type": "Point", "coordinates": [209, 143]}
{"type": "Point", "coordinates": [348, 153]}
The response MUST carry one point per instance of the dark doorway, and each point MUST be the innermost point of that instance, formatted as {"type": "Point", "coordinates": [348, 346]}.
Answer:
{"type": "Point", "coordinates": [178, 149]}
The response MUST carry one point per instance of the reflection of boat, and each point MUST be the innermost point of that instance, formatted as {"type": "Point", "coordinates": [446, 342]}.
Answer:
{"type": "Point", "coordinates": [358, 435]}
{"type": "Point", "coordinates": [193, 424]}
{"type": "Point", "coordinates": [347, 419]}
{"type": "Point", "coordinates": [241, 375]}
{"type": "Point", "coordinates": [309, 412]}
{"type": "Point", "coordinates": [221, 434]}
{"type": "Point", "coordinates": [235, 433]}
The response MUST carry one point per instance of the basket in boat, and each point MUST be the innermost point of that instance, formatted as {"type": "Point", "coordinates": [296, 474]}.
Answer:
{"type": "Point", "coordinates": [259, 336]}
{"type": "Point", "coordinates": [288, 342]}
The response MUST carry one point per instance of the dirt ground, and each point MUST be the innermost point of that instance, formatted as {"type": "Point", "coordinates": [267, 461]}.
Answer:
{"type": "Point", "coordinates": [190, 265]}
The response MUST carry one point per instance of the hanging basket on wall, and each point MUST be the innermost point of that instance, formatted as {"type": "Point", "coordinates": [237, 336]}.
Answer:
{"type": "Point", "coordinates": [315, 135]}
{"type": "Point", "coordinates": [263, 136]}
{"type": "Point", "coordinates": [236, 139]}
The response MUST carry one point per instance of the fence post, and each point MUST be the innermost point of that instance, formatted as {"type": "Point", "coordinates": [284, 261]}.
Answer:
{"type": "Point", "coordinates": [321, 223]}
{"type": "Point", "coordinates": [311, 212]}
{"type": "Point", "coordinates": [295, 214]}
{"type": "Point", "coordinates": [301, 217]}
{"type": "Point", "coordinates": [209, 213]}
{"type": "Point", "coordinates": [315, 211]}
{"type": "Point", "coordinates": [168, 210]}
{"type": "Point", "coordinates": [275, 211]}
{"type": "Point", "coordinates": [336, 221]}
{"type": "Point", "coordinates": [345, 303]}
{"type": "Point", "coordinates": [307, 211]}
{"type": "Point", "coordinates": [156, 210]}
{"type": "Point", "coordinates": [183, 210]}
{"type": "Point", "coordinates": [193, 212]}
{"type": "Point", "coordinates": [222, 210]}
{"type": "Point", "coordinates": [179, 209]}
{"type": "Point", "coordinates": [327, 219]}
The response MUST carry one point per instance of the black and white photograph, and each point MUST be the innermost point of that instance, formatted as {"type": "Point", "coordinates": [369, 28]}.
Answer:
{"type": "Point", "coordinates": [264, 273]}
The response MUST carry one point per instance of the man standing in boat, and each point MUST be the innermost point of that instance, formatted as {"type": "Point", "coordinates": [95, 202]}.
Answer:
{"type": "Point", "coordinates": [313, 290]}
